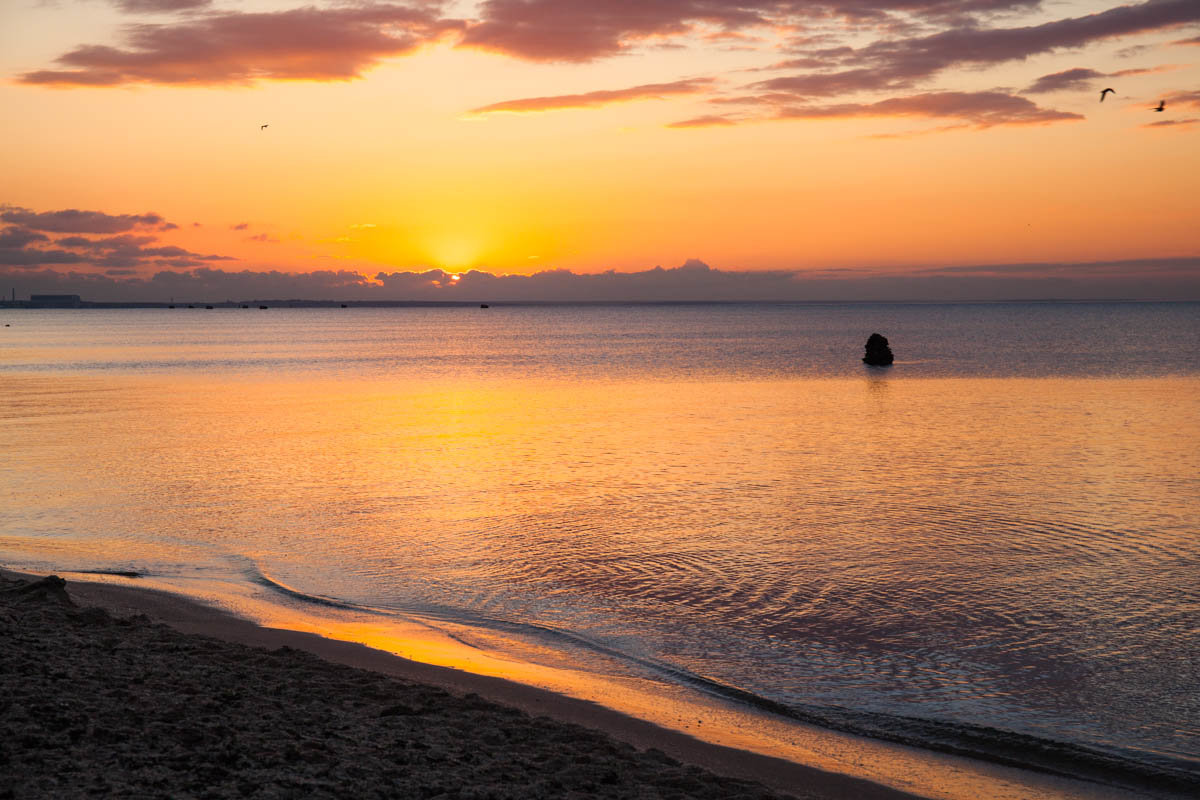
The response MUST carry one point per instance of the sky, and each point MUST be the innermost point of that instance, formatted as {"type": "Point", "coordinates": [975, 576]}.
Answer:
{"type": "Point", "coordinates": [600, 149]}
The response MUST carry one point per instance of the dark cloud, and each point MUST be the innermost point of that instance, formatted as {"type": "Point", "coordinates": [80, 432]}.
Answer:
{"type": "Point", "coordinates": [111, 243]}
{"type": "Point", "coordinates": [995, 45]}
{"type": "Point", "coordinates": [241, 226]}
{"type": "Point", "coordinates": [1143, 70]}
{"type": "Point", "coordinates": [30, 257]}
{"type": "Point", "coordinates": [799, 87]}
{"type": "Point", "coordinates": [1194, 40]}
{"type": "Point", "coordinates": [1172, 123]}
{"type": "Point", "coordinates": [818, 59]}
{"type": "Point", "coordinates": [23, 244]}
{"type": "Point", "coordinates": [1078, 78]}
{"type": "Point", "coordinates": [72, 220]}
{"type": "Point", "coordinates": [1186, 99]}
{"type": "Point", "coordinates": [133, 251]}
{"type": "Point", "coordinates": [979, 109]}
{"type": "Point", "coordinates": [160, 6]}
{"type": "Point", "coordinates": [1081, 78]}
{"type": "Point", "coordinates": [583, 30]}
{"type": "Point", "coordinates": [706, 121]}
{"type": "Point", "coordinates": [696, 281]}
{"type": "Point", "coordinates": [1175, 278]}
{"type": "Point", "coordinates": [16, 236]}
{"type": "Point", "coordinates": [241, 48]}
{"type": "Point", "coordinates": [648, 91]}
{"type": "Point", "coordinates": [262, 237]}
{"type": "Point", "coordinates": [901, 62]}
{"type": "Point", "coordinates": [342, 41]}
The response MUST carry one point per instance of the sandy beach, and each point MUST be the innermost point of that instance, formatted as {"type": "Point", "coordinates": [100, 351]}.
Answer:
{"type": "Point", "coordinates": [118, 691]}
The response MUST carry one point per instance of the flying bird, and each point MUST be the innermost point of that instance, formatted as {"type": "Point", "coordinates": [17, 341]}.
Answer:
{"type": "Point", "coordinates": [1161, 105]}
{"type": "Point", "coordinates": [262, 127]}
{"type": "Point", "coordinates": [1106, 91]}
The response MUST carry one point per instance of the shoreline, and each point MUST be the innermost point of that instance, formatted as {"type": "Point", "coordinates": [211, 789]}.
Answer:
{"type": "Point", "coordinates": [876, 770]}
{"type": "Point", "coordinates": [194, 620]}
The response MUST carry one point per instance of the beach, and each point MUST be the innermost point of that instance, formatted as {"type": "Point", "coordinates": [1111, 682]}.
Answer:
{"type": "Point", "coordinates": [117, 691]}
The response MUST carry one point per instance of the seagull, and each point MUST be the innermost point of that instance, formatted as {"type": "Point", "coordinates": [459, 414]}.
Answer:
{"type": "Point", "coordinates": [262, 127]}
{"type": "Point", "coordinates": [1106, 91]}
{"type": "Point", "coordinates": [1161, 105]}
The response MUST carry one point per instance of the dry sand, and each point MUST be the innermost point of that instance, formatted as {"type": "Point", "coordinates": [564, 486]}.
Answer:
{"type": "Point", "coordinates": [114, 691]}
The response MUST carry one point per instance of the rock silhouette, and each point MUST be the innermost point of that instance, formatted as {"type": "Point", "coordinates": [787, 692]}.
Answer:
{"type": "Point", "coordinates": [878, 353]}
{"type": "Point", "coordinates": [50, 588]}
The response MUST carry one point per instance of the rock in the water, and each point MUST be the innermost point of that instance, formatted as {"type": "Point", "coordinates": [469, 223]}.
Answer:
{"type": "Point", "coordinates": [878, 353]}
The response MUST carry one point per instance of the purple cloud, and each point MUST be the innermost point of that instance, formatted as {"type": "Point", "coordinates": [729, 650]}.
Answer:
{"type": "Point", "coordinates": [899, 63]}
{"type": "Point", "coordinates": [132, 251]}
{"type": "Point", "coordinates": [160, 6]}
{"type": "Point", "coordinates": [343, 41]}
{"type": "Point", "coordinates": [706, 121]}
{"type": "Point", "coordinates": [23, 244]}
{"type": "Point", "coordinates": [979, 109]}
{"type": "Point", "coordinates": [1176, 278]}
{"type": "Point", "coordinates": [1078, 78]}
{"type": "Point", "coordinates": [30, 257]}
{"type": "Point", "coordinates": [72, 220]}
{"type": "Point", "coordinates": [1172, 123]}
{"type": "Point", "coordinates": [111, 243]}
{"type": "Point", "coordinates": [995, 45]}
{"type": "Point", "coordinates": [798, 87]}
{"type": "Point", "coordinates": [15, 236]}
{"type": "Point", "coordinates": [1186, 99]}
{"type": "Point", "coordinates": [242, 48]}
{"type": "Point", "coordinates": [648, 91]}
{"type": "Point", "coordinates": [584, 30]}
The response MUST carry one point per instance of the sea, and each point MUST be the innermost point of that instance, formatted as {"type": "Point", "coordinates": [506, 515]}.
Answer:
{"type": "Point", "coordinates": [990, 549]}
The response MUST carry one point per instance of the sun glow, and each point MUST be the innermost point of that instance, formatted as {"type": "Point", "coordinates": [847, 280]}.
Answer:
{"type": "Point", "coordinates": [454, 252]}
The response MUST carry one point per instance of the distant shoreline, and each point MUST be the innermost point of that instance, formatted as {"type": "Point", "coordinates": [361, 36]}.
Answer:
{"type": "Point", "coordinates": [202, 305]}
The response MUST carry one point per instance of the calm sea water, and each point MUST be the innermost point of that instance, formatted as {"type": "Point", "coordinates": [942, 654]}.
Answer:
{"type": "Point", "coordinates": [990, 548]}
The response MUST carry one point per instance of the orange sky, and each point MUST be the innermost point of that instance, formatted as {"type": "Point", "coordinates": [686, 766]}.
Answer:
{"type": "Point", "coordinates": [752, 135]}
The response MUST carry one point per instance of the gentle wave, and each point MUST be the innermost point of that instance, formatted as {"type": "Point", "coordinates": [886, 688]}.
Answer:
{"type": "Point", "coordinates": [973, 741]}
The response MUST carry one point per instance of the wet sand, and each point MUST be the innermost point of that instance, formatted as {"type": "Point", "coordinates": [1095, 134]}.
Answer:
{"type": "Point", "coordinates": [110, 690]}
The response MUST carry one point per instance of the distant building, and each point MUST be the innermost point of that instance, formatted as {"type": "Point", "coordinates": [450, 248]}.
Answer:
{"type": "Point", "coordinates": [55, 300]}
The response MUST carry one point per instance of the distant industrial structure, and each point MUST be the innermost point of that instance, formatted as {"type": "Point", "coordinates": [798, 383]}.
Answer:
{"type": "Point", "coordinates": [67, 301]}
{"type": "Point", "coordinates": [45, 301]}
{"type": "Point", "coordinates": [55, 301]}
{"type": "Point", "coordinates": [75, 301]}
